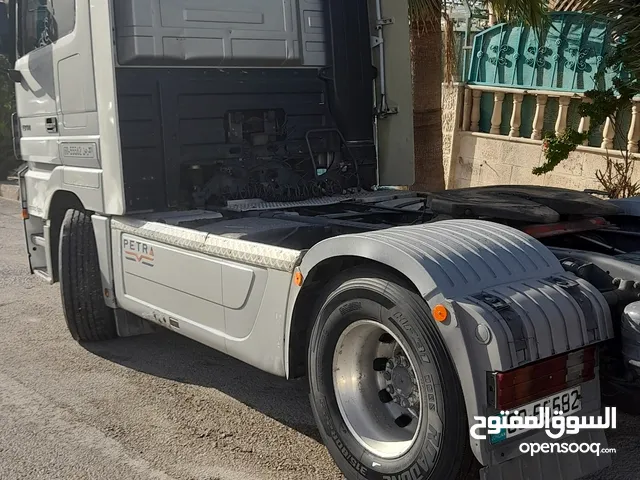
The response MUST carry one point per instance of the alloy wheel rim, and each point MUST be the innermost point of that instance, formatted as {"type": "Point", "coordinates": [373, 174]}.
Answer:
{"type": "Point", "coordinates": [376, 389]}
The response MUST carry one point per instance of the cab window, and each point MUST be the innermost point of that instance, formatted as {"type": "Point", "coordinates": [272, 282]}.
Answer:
{"type": "Point", "coordinates": [44, 22]}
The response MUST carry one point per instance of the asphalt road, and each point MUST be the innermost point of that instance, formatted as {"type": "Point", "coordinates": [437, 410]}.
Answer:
{"type": "Point", "coordinates": [153, 407]}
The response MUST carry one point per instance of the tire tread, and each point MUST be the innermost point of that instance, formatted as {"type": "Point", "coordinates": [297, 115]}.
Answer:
{"type": "Point", "coordinates": [400, 292]}
{"type": "Point", "coordinates": [88, 317]}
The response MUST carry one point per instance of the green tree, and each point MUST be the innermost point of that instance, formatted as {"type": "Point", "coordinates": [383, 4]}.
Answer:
{"type": "Point", "coordinates": [624, 18]}
{"type": "Point", "coordinates": [8, 161]}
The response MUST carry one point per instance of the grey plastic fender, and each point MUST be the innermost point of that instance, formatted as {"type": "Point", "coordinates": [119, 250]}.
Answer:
{"type": "Point", "coordinates": [511, 302]}
{"type": "Point", "coordinates": [41, 185]}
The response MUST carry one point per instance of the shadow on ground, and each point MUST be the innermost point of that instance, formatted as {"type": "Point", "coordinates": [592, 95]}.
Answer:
{"type": "Point", "coordinates": [171, 356]}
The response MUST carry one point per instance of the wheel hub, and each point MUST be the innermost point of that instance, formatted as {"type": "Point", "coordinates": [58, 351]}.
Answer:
{"type": "Point", "coordinates": [401, 381]}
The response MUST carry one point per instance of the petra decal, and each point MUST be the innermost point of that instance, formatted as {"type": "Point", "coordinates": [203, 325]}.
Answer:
{"type": "Point", "coordinates": [138, 252]}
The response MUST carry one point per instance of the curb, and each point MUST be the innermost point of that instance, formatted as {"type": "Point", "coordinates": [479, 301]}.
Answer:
{"type": "Point", "coordinates": [10, 191]}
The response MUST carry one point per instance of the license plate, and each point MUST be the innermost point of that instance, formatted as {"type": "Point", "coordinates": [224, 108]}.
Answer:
{"type": "Point", "coordinates": [568, 402]}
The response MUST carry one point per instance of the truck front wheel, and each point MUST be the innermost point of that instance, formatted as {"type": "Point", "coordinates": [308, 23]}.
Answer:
{"type": "Point", "coordinates": [88, 317]}
{"type": "Point", "coordinates": [384, 390]}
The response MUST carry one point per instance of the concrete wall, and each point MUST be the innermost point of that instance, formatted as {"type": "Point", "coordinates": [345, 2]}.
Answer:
{"type": "Point", "coordinates": [451, 118]}
{"type": "Point", "coordinates": [484, 159]}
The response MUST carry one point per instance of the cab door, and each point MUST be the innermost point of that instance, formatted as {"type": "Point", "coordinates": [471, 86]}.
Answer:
{"type": "Point", "coordinates": [56, 99]}
{"type": "Point", "coordinates": [35, 93]}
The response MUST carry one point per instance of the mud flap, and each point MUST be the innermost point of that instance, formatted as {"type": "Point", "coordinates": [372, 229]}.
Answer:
{"type": "Point", "coordinates": [130, 325]}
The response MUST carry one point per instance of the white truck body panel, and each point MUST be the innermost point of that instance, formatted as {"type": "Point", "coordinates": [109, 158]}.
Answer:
{"type": "Point", "coordinates": [240, 296]}
{"type": "Point", "coordinates": [229, 294]}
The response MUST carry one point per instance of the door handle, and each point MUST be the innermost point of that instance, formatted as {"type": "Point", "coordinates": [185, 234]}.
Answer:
{"type": "Point", "coordinates": [52, 125]}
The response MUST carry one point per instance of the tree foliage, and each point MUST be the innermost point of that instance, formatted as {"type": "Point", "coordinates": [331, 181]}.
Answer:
{"type": "Point", "coordinates": [8, 161]}
{"type": "Point", "coordinates": [624, 21]}
{"type": "Point", "coordinates": [427, 15]}
{"type": "Point", "coordinates": [617, 176]}
{"type": "Point", "coordinates": [531, 12]}
{"type": "Point", "coordinates": [557, 148]}
{"type": "Point", "coordinates": [623, 16]}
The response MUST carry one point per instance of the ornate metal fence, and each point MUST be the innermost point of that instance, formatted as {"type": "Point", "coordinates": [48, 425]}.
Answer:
{"type": "Point", "coordinates": [566, 56]}
{"type": "Point", "coordinates": [523, 83]}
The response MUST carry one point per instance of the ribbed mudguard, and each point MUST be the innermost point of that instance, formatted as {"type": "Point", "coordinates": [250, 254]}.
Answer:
{"type": "Point", "coordinates": [510, 293]}
{"type": "Point", "coordinates": [512, 303]}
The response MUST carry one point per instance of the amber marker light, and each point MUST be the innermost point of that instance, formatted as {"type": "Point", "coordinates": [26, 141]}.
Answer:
{"type": "Point", "coordinates": [298, 278]}
{"type": "Point", "coordinates": [440, 313]}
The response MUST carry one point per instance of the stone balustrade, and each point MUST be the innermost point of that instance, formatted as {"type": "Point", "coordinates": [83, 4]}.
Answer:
{"type": "Point", "coordinates": [473, 113]}
{"type": "Point", "coordinates": [493, 135]}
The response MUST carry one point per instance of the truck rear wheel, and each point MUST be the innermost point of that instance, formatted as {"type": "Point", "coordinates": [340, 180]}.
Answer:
{"type": "Point", "coordinates": [384, 390]}
{"type": "Point", "coordinates": [88, 317]}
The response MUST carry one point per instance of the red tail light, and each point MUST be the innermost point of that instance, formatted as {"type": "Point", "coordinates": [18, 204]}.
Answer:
{"type": "Point", "coordinates": [541, 379]}
{"type": "Point", "coordinates": [552, 229]}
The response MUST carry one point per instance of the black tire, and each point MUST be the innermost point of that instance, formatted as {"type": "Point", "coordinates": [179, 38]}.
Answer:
{"type": "Point", "coordinates": [441, 450]}
{"type": "Point", "coordinates": [88, 317]}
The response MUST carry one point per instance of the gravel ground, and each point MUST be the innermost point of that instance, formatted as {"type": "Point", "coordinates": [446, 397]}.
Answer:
{"type": "Point", "coordinates": [153, 407]}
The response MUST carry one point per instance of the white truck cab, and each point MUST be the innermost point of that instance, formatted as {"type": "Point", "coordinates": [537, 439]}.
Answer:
{"type": "Point", "coordinates": [216, 168]}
